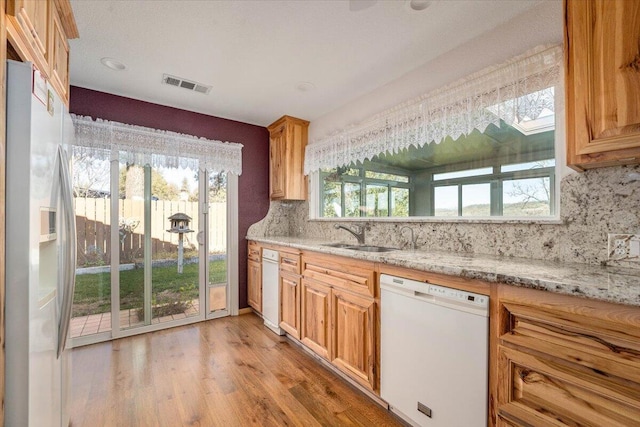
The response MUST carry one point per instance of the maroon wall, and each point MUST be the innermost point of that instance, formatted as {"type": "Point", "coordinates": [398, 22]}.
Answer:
{"type": "Point", "coordinates": [253, 184]}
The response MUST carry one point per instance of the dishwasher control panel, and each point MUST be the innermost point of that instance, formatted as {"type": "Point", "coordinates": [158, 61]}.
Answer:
{"type": "Point", "coordinates": [436, 294]}
{"type": "Point", "coordinates": [462, 296]}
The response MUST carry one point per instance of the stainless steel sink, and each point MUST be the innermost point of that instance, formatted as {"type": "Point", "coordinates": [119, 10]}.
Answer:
{"type": "Point", "coordinates": [363, 248]}
{"type": "Point", "coordinates": [338, 245]}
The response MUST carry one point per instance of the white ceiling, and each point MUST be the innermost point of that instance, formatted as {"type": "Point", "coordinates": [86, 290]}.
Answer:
{"type": "Point", "coordinates": [255, 53]}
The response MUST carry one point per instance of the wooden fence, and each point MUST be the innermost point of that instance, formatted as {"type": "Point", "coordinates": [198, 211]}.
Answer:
{"type": "Point", "coordinates": [93, 223]}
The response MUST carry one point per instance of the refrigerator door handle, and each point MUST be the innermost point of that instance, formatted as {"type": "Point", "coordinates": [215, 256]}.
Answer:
{"type": "Point", "coordinates": [69, 250]}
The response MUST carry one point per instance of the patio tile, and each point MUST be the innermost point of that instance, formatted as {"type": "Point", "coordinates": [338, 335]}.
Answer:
{"type": "Point", "coordinates": [90, 330]}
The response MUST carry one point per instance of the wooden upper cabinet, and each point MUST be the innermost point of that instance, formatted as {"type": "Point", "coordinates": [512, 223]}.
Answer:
{"type": "Point", "coordinates": [287, 142]}
{"type": "Point", "coordinates": [59, 58]}
{"type": "Point", "coordinates": [602, 48]}
{"type": "Point", "coordinates": [30, 29]}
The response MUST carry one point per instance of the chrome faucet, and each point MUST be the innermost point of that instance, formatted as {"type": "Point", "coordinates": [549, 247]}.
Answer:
{"type": "Point", "coordinates": [357, 231]}
{"type": "Point", "coordinates": [414, 240]}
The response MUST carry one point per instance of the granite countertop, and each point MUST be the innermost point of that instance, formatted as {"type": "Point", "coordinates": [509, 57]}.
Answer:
{"type": "Point", "coordinates": [612, 284]}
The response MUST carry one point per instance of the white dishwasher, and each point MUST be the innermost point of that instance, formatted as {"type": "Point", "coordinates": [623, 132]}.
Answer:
{"type": "Point", "coordinates": [271, 290]}
{"type": "Point", "coordinates": [434, 353]}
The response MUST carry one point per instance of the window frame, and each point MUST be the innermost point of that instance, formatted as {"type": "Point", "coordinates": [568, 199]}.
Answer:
{"type": "Point", "coordinates": [363, 181]}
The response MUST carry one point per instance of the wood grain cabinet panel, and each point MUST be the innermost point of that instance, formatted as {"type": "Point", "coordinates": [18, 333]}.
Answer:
{"type": "Point", "coordinates": [30, 29]}
{"type": "Point", "coordinates": [602, 47]}
{"type": "Point", "coordinates": [254, 276]}
{"type": "Point", "coordinates": [343, 289]}
{"type": "Point", "coordinates": [316, 317]}
{"type": "Point", "coordinates": [287, 142]}
{"type": "Point", "coordinates": [563, 360]}
{"type": "Point", "coordinates": [59, 59]}
{"type": "Point", "coordinates": [354, 335]}
{"type": "Point", "coordinates": [254, 284]}
{"type": "Point", "coordinates": [290, 303]}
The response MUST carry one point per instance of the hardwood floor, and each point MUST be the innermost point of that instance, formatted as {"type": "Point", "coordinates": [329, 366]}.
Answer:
{"type": "Point", "coordinates": [224, 372]}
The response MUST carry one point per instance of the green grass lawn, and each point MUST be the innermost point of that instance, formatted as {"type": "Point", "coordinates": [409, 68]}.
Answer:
{"type": "Point", "coordinates": [93, 291]}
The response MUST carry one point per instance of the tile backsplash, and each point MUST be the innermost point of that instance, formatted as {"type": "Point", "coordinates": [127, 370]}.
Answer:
{"type": "Point", "coordinates": [592, 204]}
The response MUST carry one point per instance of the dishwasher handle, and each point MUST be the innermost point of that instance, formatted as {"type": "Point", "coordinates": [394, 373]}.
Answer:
{"type": "Point", "coordinates": [408, 292]}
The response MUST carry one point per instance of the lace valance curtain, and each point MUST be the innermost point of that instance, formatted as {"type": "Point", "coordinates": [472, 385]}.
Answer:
{"type": "Point", "coordinates": [517, 91]}
{"type": "Point", "coordinates": [158, 148]}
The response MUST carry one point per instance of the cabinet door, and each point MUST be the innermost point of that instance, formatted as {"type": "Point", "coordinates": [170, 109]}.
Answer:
{"type": "Point", "coordinates": [290, 303]}
{"type": "Point", "coordinates": [316, 319]}
{"type": "Point", "coordinates": [354, 332]}
{"type": "Point", "coordinates": [254, 285]}
{"type": "Point", "coordinates": [603, 82]}
{"type": "Point", "coordinates": [287, 142]}
{"type": "Point", "coordinates": [32, 17]}
{"type": "Point", "coordinates": [59, 58]}
{"type": "Point", "coordinates": [277, 144]}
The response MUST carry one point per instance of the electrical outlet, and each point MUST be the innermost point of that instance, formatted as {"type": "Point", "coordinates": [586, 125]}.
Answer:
{"type": "Point", "coordinates": [624, 247]}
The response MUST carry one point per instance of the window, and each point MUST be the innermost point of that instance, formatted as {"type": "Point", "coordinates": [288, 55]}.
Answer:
{"type": "Point", "coordinates": [360, 191]}
{"type": "Point", "coordinates": [483, 146]}
{"type": "Point", "coordinates": [505, 171]}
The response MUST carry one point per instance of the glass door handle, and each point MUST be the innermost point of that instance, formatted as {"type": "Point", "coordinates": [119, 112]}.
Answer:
{"type": "Point", "coordinates": [200, 238]}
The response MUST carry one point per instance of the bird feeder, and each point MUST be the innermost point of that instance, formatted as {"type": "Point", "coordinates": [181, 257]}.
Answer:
{"type": "Point", "coordinates": [180, 225]}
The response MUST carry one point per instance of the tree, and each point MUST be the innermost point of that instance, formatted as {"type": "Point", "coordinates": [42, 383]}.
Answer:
{"type": "Point", "coordinates": [217, 187]}
{"type": "Point", "coordinates": [532, 194]}
{"type": "Point", "coordinates": [131, 184]}
{"type": "Point", "coordinates": [90, 175]}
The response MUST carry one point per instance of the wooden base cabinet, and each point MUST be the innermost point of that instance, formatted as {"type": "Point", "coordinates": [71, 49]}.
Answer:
{"type": "Point", "coordinates": [340, 315]}
{"type": "Point", "coordinates": [316, 317]}
{"type": "Point", "coordinates": [290, 303]}
{"type": "Point", "coordinates": [564, 360]}
{"type": "Point", "coordinates": [289, 288]}
{"type": "Point", "coordinates": [354, 326]}
{"type": "Point", "coordinates": [254, 277]}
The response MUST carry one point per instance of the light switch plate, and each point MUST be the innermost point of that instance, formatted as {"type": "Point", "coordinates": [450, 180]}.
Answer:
{"type": "Point", "coordinates": [624, 247]}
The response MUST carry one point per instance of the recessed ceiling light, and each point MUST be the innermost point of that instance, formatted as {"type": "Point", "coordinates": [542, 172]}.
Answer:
{"type": "Point", "coordinates": [305, 86]}
{"type": "Point", "coordinates": [419, 5]}
{"type": "Point", "coordinates": [113, 64]}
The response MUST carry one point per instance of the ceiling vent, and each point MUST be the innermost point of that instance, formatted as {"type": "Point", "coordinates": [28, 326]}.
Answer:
{"type": "Point", "coordinates": [185, 84]}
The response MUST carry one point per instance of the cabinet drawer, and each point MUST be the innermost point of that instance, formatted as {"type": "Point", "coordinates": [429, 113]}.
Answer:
{"type": "Point", "coordinates": [290, 262]}
{"type": "Point", "coordinates": [563, 360]}
{"type": "Point", "coordinates": [352, 275]}
{"type": "Point", "coordinates": [593, 344]}
{"type": "Point", "coordinates": [538, 390]}
{"type": "Point", "coordinates": [254, 252]}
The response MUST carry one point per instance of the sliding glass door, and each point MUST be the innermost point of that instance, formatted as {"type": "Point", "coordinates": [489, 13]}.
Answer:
{"type": "Point", "coordinates": [161, 249]}
{"type": "Point", "coordinates": [217, 277]}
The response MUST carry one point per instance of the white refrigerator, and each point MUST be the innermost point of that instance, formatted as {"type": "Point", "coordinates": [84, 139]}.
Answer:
{"type": "Point", "coordinates": [40, 251]}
